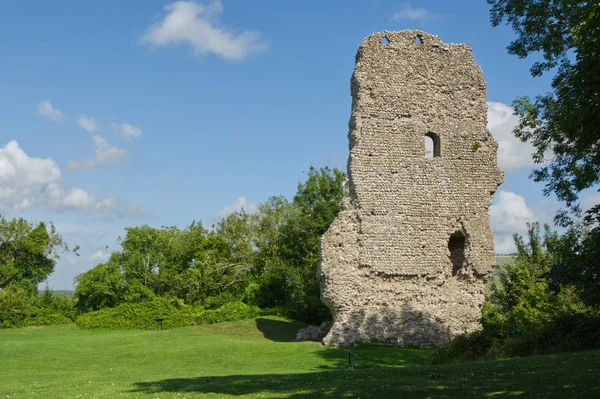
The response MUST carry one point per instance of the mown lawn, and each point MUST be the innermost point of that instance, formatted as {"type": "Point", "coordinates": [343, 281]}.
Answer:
{"type": "Point", "coordinates": [258, 359]}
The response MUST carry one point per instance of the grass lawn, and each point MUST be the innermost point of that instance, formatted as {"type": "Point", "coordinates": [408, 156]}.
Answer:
{"type": "Point", "coordinates": [258, 359]}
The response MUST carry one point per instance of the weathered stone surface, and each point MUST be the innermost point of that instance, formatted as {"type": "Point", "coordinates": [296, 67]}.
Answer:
{"type": "Point", "coordinates": [313, 333]}
{"type": "Point", "coordinates": [407, 258]}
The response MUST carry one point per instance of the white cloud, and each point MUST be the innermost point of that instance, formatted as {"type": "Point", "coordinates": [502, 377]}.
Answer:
{"type": "Point", "coordinates": [126, 130]}
{"type": "Point", "coordinates": [88, 123]}
{"type": "Point", "coordinates": [29, 182]}
{"type": "Point", "coordinates": [408, 12]}
{"type": "Point", "coordinates": [197, 25]}
{"type": "Point", "coordinates": [99, 256]}
{"type": "Point", "coordinates": [47, 110]}
{"type": "Point", "coordinates": [80, 199]}
{"type": "Point", "coordinates": [512, 153]}
{"type": "Point", "coordinates": [509, 215]}
{"type": "Point", "coordinates": [105, 154]}
{"type": "Point", "coordinates": [241, 203]}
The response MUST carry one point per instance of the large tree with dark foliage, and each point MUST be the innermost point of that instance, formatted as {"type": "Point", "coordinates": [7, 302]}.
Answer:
{"type": "Point", "coordinates": [28, 252]}
{"type": "Point", "coordinates": [564, 122]}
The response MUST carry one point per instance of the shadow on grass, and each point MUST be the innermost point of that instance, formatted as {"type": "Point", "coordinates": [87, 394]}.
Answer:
{"type": "Point", "coordinates": [331, 384]}
{"type": "Point", "coordinates": [279, 330]}
{"type": "Point", "coordinates": [541, 377]}
{"type": "Point", "coordinates": [368, 356]}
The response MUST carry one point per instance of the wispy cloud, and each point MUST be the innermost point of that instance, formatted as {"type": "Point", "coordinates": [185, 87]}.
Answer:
{"type": "Point", "coordinates": [197, 25]}
{"type": "Point", "coordinates": [47, 110]}
{"type": "Point", "coordinates": [105, 154]}
{"type": "Point", "coordinates": [88, 123]}
{"type": "Point", "coordinates": [126, 130]}
{"type": "Point", "coordinates": [410, 13]}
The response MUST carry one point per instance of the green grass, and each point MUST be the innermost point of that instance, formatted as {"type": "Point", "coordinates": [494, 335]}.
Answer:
{"type": "Point", "coordinates": [502, 260]}
{"type": "Point", "coordinates": [258, 359]}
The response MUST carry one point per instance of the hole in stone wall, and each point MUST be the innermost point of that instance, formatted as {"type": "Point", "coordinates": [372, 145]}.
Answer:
{"type": "Point", "coordinates": [418, 39]}
{"type": "Point", "coordinates": [385, 41]}
{"type": "Point", "coordinates": [456, 245]}
{"type": "Point", "coordinates": [432, 145]}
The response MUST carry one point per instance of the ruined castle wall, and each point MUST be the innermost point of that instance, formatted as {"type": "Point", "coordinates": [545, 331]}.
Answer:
{"type": "Point", "coordinates": [407, 258]}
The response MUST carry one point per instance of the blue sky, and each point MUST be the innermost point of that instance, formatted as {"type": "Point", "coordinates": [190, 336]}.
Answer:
{"type": "Point", "coordinates": [117, 114]}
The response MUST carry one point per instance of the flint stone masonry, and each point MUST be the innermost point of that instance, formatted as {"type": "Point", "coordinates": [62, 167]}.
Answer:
{"type": "Point", "coordinates": [408, 256]}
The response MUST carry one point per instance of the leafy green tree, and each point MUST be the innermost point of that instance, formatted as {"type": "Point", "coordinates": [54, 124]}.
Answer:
{"type": "Point", "coordinates": [102, 286]}
{"type": "Point", "coordinates": [268, 259]}
{"type": "Point", "coordinates": [226, 259]}
{"type": "Point", "coordinates": [28, 253]}
{"type": "Point", "coordinates": [315, 206]}
{"type": "Point", "coordinates": [520, 301]}
{"type": "Point", "coordinates": [268, 287]}
{"type": "Point", "coordinates": [521, 292]}
{"type": "Point", "coordinates": [565, 120]}
{"type": "Point", "coordinates": [191, 264]}
{"type": "Point", "coordinates": [578, 266]}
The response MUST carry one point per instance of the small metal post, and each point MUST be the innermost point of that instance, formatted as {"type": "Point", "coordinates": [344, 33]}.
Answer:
{"type": "Point", "coordinates": [350, 359]}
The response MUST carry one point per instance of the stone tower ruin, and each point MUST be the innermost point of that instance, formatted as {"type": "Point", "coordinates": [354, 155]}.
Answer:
{"type": "Point", "coordinates": [407, 258]}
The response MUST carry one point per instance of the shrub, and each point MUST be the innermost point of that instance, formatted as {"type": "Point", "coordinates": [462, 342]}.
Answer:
{"type": "Point", "coordinates": [215, 302]}
{"type": "Point", "coordinates": [231, 311]}
{"type": "Point", "coordinates": [567, 331]}
{"type": "Point", "coordinates": [19, 308]}
{"type": "Point", "coordinates": [48, 319]}
{"type": "Point", "coordinates": [48, 303]}
{"type": "Point", "coordinates": [15, 308]}
{"type": "Point", "coordinates": [147, 315]}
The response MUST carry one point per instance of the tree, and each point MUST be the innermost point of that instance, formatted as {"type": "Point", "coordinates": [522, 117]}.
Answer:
{"type": "Point", "coordinates": [520, 301]}
{"type": "Point", "coordinates": [101, 287]}
{"type": "Point", "coordinates": [191, 264]}
{"type": "Point", "coordinates": [577, 264]}
{"type": "Point", "coordinates": [522, 285]}
{"type": "Point", "coordinates": [315, 206]}
{"type": "Point", "coordinates": [269, 285]}
{"type": "Point", "coordinates": [28, 253]}
{"type": "Point", "coordinates": [564, 121]}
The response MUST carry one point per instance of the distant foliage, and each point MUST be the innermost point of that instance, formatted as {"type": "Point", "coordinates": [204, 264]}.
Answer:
{"type": "Point", "coordinates": [265, 260]}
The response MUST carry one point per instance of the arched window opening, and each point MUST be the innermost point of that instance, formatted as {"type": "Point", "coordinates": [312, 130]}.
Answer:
{"type": "Point", "coordinates": [428, 147]}
{"type": "Point", "coordinates": [432, 145]}
{"type": "Point", "coordinates": [418, 39]}
{"type": "Point", "coordinates": [456, 245]}
{"type": "Point", "coordinates": [385, 41]}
